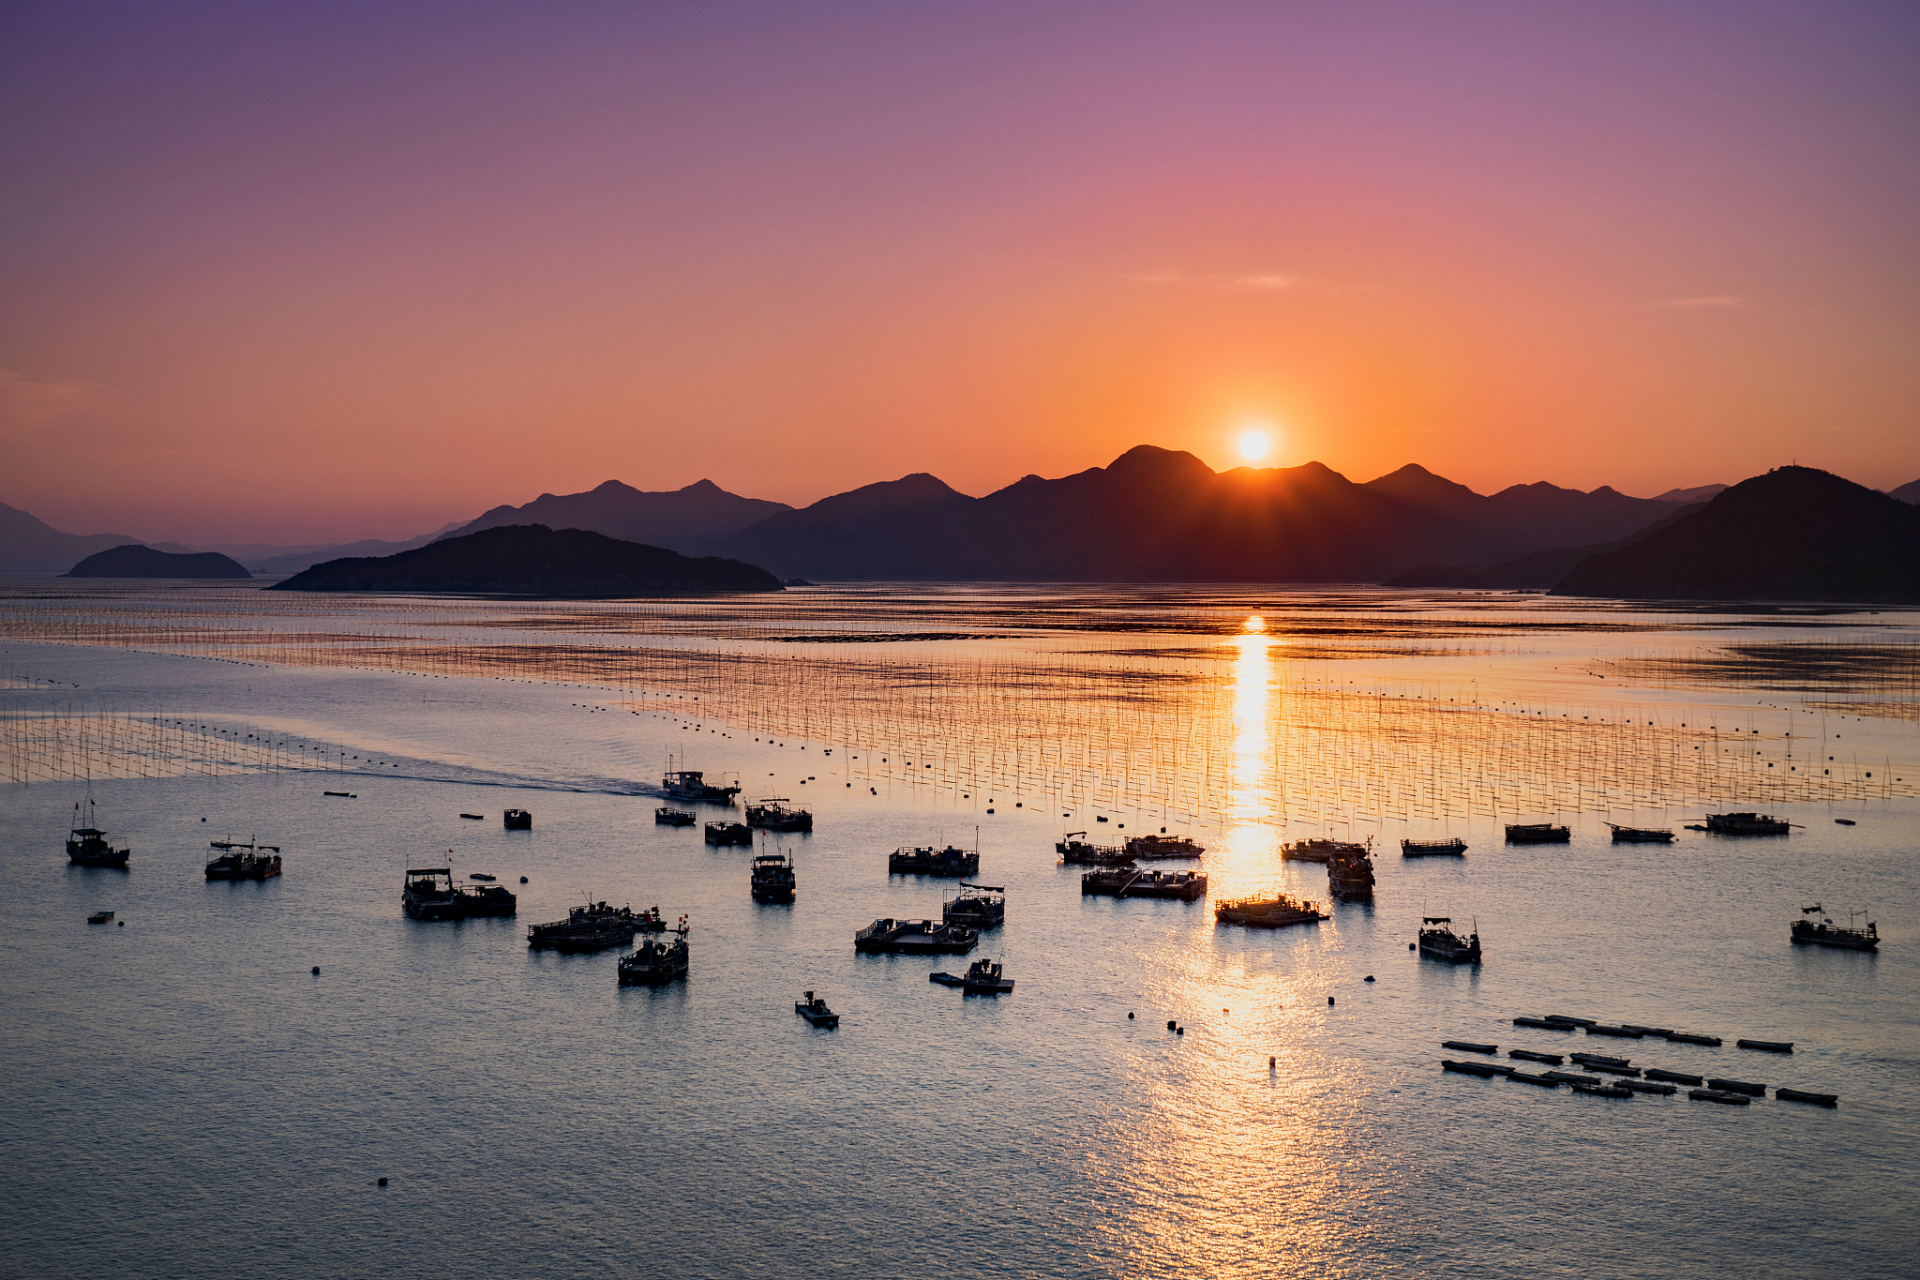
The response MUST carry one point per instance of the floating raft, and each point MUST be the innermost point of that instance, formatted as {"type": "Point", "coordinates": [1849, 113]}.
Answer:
{"type": "Point", "coordinates": [1612, 1071]}
{"type": "Point", "coordinates": [1641, 1086]}
{"type": "Point", "coordinates": [1524, 1078]}
{"type": "Point", "coordinates": [1800, 1095]}
{"type": "Point", "coordinates": [1715, 1095]}
{"type": "Point", "coordinates": [1468, 1046]}
{"type": "Point", "coordinates": [1571, 1022]}
{"type": "Point", "coordinates": [1544, 1024]}
{"type": "Point", "coordinates": [1530, 1055]}
{"type": "Point", "coordinates": [1767, 1046]}
{"type": "Point", "coordinates": [1570, 1077]}
{"type": "Point", "coordinates": [1682, 1037]}
{"type": "Point", "coordinates": [1738, 1086]}
{"type": "Point", "coordinates": [1624, 1033]}
{"type": "Point", "coordinates": [1599, 1060]}
{"type": "Point", "coordinates": [1677, 1077]}
{"type": "Point", "coordinates": [1603, 1090]}
{"type": "Point", "coordinates": [1483, 1069]}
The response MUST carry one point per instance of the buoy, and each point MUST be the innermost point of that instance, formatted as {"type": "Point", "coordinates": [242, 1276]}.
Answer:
{"type": "Point", "coordinates": [203, 819]}
{"type": "Point", "coordinates": [523, 879]}
{"type": "Point", "coordinates": [1409, 946]}
{"type": "Point", "coordinates": [316, 971]}
{"type": "Point", "coordinates": [1369, 978]}
{"type": "Point", "coordinates": [1271, 1062]}
{"type": "Point", "coordinates": [123, 924]}
{"type": "Point", "coordinates": [1329, 1000]}
{"type": "Point", "coordinates": [1171, 1024]}
{"type": "Point", "coordinates": [1179, 1031]}
{"type": "Point", "coordinates": [1129, 1015]}
{"type": "Point", "coordinates": [383, 1182]}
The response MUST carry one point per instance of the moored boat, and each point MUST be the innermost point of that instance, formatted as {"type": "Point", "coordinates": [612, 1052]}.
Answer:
{"type": "Point", "coordinates": [1076, 852]}
{"type": "Point", "coordinates": [100, 917]}
{"type": "Point", "coordinates": [1156, 848]}
{"type": "Point", "coordinates": [668, 816]}
{"type": "Point", "coordinates": [1825, 933]}
{"type": "Point", "coordinates": [656, 961]}
{"type": "Point", "coordinates": [774, 814]}
{"type": "Point", "coordinates": [691, 784]}
{"type": "Point", "coordinates": [1640, 835]}
{"type": "Point", "coordinates": [773, 879]}
{"type": "Point", "coordinates": [89, 847]}
{"type": "Point", "coordinates": [517, 820]}
{"type": "Point", "coordinates": [1319, 849]}
{"type": "Point", "coordinates": [249, 861]}
{"type": "Point", "coordinates": [1437, 939]}
{"type": "Point", "coordinates": [489, 900]}
{"type": "Point", "coordinates": [1747, 824]}
{"type": "Point", "coordinates": [1537, 833]}
{"type": "Point", "coordinates": [984, 979]}
{"type": "Point", "coordinates": [1432, 848]}
{"type": "Point", "coordinates": [593, 927]}
{"type": "Point", "coordinates": [914, 938]}
{"type": "Point", "coordinates": [977, 907]}
{"type": "Point", "coordinates": [729, 833]}
{"type": "Point", "coordinates": [1131, 882]}
{"type": "Point", "coordinates": [429, 894]}
{"type": "Point", "coordinates": [1350, 876]}
{"type": "Point", "coordinates": [1267, 913]}
{"type": "Point", "coordinates": [928, 861]}
{"type": "Point", "coordinates": [815, 1011]}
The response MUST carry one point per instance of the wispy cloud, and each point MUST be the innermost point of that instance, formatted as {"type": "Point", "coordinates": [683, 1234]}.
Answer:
{"type": "Point", "coordinates": [26, 403]}
{"type": "Point", "coordinates": [1721, 300]}
{"type": "Point", "coordinates": [1252, 282]}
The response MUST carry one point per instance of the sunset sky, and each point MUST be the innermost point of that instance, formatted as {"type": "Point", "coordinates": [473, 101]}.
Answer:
{"type": "Point", "coordinates": [303, 272]}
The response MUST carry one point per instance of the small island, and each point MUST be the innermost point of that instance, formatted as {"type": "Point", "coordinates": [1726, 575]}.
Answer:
{"type": "Point", "coordinates": [136, 561]}
{"type": "Point", "coordinates": [531, 559]}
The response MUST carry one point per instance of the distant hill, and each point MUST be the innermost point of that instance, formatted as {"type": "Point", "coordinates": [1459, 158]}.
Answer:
{"type": "Point", "coordinates": [137, 561]}
{"type": "Point", "coordinates": [1909, 492]}
{"type": "Point", "coordinates": [1536, 572]}
{"type": "Point", "coordinates": [1699, 493]}
{"type": "Point", "coordinates": [1162, 515]}
{"type": "Point", "coordinates": [296, 559]}
{"type": "Point", "coordinates": [674, 518]}
{"type": "Point", "coordinates": [27, 543]}
{"type": "Point", "coordinates": [534, 560]}
{"type": "Point", "coordinates": [1794, 533]}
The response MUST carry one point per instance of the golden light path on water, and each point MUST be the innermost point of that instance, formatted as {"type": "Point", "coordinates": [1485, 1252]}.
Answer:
{"type": "Point", "coordinates": [1250, 830]}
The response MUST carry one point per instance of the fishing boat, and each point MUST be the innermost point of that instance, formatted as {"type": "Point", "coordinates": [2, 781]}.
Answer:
{"type": "Point", "coordinates": [1319, 849]}
{"type": "Point", "coordinates": [656, 962]}
{"type": "Point", "coordinates": [249, 861]}
{"type": "Point", "coordinates": [1267, 913]}
{"type": "Point", "coordinates": [1161, 848]}
{"type": "Point", "coordinates": [1076, 852]}
{"type": "Point", "coordinates": [1437, 939]}
{"type": "Point", "coordinates": [1432, 848]}
{"type": "Point", "coordinates": [1537, 833]}
{"type": "Point", "coordinates": [1825, 933]}
{"type": "Point", "coordinates": [977, 907]}
{"type": "Point", "coordinates": [484, 900]}
{"type": "Point", "coordinates": [729, 833]}
{"type": "Point", "coordinates": [914, 938]}
{"type": "Point", "coordinates": [773, 879]}
{"type": "Point", "coordinates": [100, 917]}
{"type": "Point", "coordinates": [668, 816]}
{"type": "Point", "coordinates": [1640, 835]}
{"type": "Point", "coordinates": [594, 927]}
{"type": "Point", "coordinates": [429, 894]}
{"type": "Point", "coordinates": [1131, 882]}
{"type": "Point", "coordinates": [88, 846]}
{"type": "Point", "coordinates": [1350, 876]}
{"type": "Point", "coordinates": [1747, 824]}
{"type": "Point", "coordinates": [928, 861]}
{"type": "Point", "coordinates": [773, 814]}
{"type": "Point", "coordinates": [517, 820]}
{"type": "Point", "coordinates": [815, 1011]}
{"type": "Point", "coordinates": [691, 784]}
{"type": "Point", "coordinates": [984, 979]}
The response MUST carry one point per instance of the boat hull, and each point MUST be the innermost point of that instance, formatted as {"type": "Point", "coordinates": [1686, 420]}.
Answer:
{"type": "Point", "coordinates": [1843, 939]}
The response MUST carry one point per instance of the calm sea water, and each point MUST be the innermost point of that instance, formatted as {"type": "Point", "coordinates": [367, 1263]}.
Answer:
{"type": "Point", "coordinates": [186, 1099]}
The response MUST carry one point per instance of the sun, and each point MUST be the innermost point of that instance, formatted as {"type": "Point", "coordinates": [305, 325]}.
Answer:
{"type": "Point", "coordinates": [1254, 445]}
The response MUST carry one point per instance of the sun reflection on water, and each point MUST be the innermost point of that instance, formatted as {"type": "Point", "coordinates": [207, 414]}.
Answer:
{"type": "Point", "coordinates": [1248, 847]}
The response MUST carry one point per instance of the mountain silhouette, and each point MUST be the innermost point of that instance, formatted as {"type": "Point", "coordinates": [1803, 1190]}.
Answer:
{"type": "Point", "coordinates": [675, 518]}
{"type": "Point", "coordinates": [534, 560]}
{"type": "Point", "coordinates": [1909, 492]}
{"type": "Point", "coordinates": [28, 543]}
{"type": "Point", "coordinates": [1163, 515]}
{"type": "Point", "coordinates": [137, 561]}
{"type": "Point", "coordinates": [1536, 572]}
{"type": "Point", "coordinates": [1794, 533]}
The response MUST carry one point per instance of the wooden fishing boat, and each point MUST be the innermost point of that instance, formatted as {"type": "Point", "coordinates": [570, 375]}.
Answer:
{"type": "Point", "coordinates": [249, 861]}
{"type": "Point", "coordinates": [1318, 849]}
{"type": "Point", "coordinates": [928, 861]}
{"type": "Point", "coordinates": [593, 927]}
{"type": "Point", "coordinates": [815, 1011]}
{"type": "Point", "coordinates": [1825, 933]}
{"type": "Point", "coordinates": [691, 784]}
{"type": "Point", "coordinates": [1276, 912]}
{"type": "Point", "coordinates": [1640, 835]}
{"type": "Point", "coordinates": [984, 979]}
{"type": "Point", "coordinates": [1747, 824]}
{"type": "Point", "coordinates": [1438, 940]}
{"type": "Point", "coordinates": [914, 938]}
{"type": "Point", "coordinates": [773, 814]}
{"type": "Point", "coordinates": [1156, 848]}
{"type": "Point", "coordinates": [1432, 848]}
{"type": "Point", "coordinates": [1537, 833]}
{"type": "Point", "coordinates": [656, 961]}
{"type": "Point", "coordinates": [729, 833]}
{"type": "Point", "coordinates": [429, 894]}
{"type": "Point", "coordinates": [668, 816]}
{"type": "Point", "coordinates": [977, 907]}
{"type": "Point", "coordinates": [1076, 852]}
{"type": "Point", "coordinates": [773, 878]}
{"type": "Point", "coordinates": [1350, 876]}
{"type": "Point", "coordinates": [1131, 882]}
{"type": "Point", "coordinates": [517, 820]}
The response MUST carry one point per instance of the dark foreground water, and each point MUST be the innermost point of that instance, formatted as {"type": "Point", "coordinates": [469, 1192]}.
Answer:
{"type": "Point", "coordinates": [184, 1098]}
